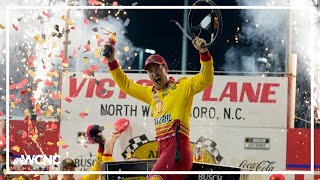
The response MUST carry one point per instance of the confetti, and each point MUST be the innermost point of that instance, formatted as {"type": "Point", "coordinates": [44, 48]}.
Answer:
{"type": "Point", "coordinates": [85, 60]}
{"type": "Point", "coordinates": [93, 2]}
{"type": "Point", "coordinates": [74, 54]}
{"type": "Point", "coordinates": [31, 73]}
{"type": "Point", "coordinates": [23, 92]}
{"type": "Point", "coordinates": [48, 83]}
{"type": "Point", "coordinates": [19, 19]}
{"type": "Point", "coordinates": [50, 108]}
{"type": "Point", "coordinates": [100, 40]}
{"type": "Point", "coordinates": [63, 17]}
{"type": "Point", "coordinates": [17, 101]}
{"type": "Point", "coordinates": [39, 39]}
{"type": "Point", "coordinates": [56, 96]}
{"type": "Point", "coordinates": [12, 105]}
{"type": "Point", "coordinates": [126, 49]}
{"type": "Point", "coordinates": [87, 47]}
{"type": "Point", "coordinates": [32, 99]}
{"type": "Point", "coordinates": [55, 83]}
{"type": "Point", "coordinates": [11, 96]}
{"type": "Point", "coordinates": [2, 27]}
{"type": "Point", "coordinates": [68, 99]}
{"type": "Point", "coordinates": [86, 21]}
{"type": "Point", "coordinates": [126, 22]}
{"type": "Point", "coordinates": [60, 143]}
{"type": "Point", "coordinates": [47, 113]}
{"type": "Point", "coordinates": [16, 148]}
{"type": "Point", "coordinates": [94, 67]}
{"type": "Point", "coordinates": [83, 114]}
{"type": "Point", "coordinates": [34, 137]}
{"type": "Point", "coordinates": [24, 82]}
{"type": "Point", "coordinates": [50, 143]}
{"type": "Point", "coordinates": [12, 86]}
{"type": "Point", "coordinates": [46, 13]}
{"type": "Point", "coordinates": [54, 45]}
{"type": "Point", "coordinates": [69, 22]}
{"type": "Point", "coordinates": [97, 52]}
{"type": "Point", "coordinates": [87, 72]}
{"type": "Point", "coordinates": [95, 29]}
{"type": "Point", "coordinates": [64, 146]}
{"type": "Point", "coordinates": [58, 111]}
{"type": "Point", "coordinates": [15, 27]}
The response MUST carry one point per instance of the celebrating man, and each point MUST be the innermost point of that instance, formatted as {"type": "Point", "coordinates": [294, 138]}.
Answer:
{"type": "Point", "coordinates": [171, 103]}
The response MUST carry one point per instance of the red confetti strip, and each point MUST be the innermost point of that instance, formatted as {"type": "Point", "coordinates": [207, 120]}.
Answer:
{"type": "Point", "coordinates": [94, 67]}
{"type": "Point", "coordinates": [23, 92]}
{"type": "Point", "coordinates": [86, 21]}
{"type": "Point", "coordinates": [56, 96]}
{"type": "Point", "coordinates": [64, 146]}
{"type": "Point", "coordinates": [46, 13]}
{"type": "Point", "coordinates": [32, 99]}
{"type": "Point", "coordinates": [87, 72]}
{"type": "Point", "coordinates": [74, 54]}
{"type": "Point", "coordinates": [15, 27]}
{"type": "Point", "coordinates": [50, 54]}
{"type": "Point", "coordinates": [87, 47]}
{"type": "Point", "coordinates": [100, 40]}
{"type": "Point", "coordinates": [65, 60]}
{"type": "Point", "coordinates": [17, 101]}
{"type": "Point", "coordinates": [48, 83]}
{"type": "Point", "coordinates": [61, 54]}
{"type": "Point", "coordinates": [12, 86]}
{"type": "Point", "coordinates": [1, 113]}
{"type": "Point", "coordinates": [24, 82]}
{"type": "Point", "coordinates": [83, 114]}
{"type": "Point", "coordinates": [93, 2]}
{"type": "Point", "coordinates": [11, 96]}
{"type": "Point", "coordinates": [68, 99]}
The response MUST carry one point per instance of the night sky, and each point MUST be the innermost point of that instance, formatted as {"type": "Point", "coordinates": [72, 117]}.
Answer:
{"type": "Point", "coordinates": [152, 29]}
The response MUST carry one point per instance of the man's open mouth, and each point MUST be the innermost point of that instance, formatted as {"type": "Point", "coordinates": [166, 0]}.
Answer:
{"type": "Point", "coordinates": [157, 80]}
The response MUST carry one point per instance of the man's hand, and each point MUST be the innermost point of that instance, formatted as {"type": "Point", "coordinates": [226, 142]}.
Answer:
{"type": "Point", "coordinates": [108, 52]}
{"type": "Point", "coordinates": [115, 135]}
{"type": "Point", "coordinates": [197, 43]}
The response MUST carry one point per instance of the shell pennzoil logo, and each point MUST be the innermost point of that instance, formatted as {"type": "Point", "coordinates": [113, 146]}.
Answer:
{"type": "Point", "coordinates": [141, 148]}
{"type": "Point", "coordinates": [158, 107]}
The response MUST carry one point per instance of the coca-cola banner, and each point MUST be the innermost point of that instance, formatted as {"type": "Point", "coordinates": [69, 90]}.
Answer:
{"type": "Point", "coordinates": [239, 121]}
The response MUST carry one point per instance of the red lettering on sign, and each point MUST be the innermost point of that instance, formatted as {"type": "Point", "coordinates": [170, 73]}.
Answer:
{"type": "Point", "coordinates": [248, 90]}
{"type": "Point", "coordinates": [260, 94]}
{"type": "Point", "coordinates": [266, 92]}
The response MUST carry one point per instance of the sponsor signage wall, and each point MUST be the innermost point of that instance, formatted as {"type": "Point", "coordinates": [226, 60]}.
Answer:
{"type": "Point", "coordinates": [243, 116]}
